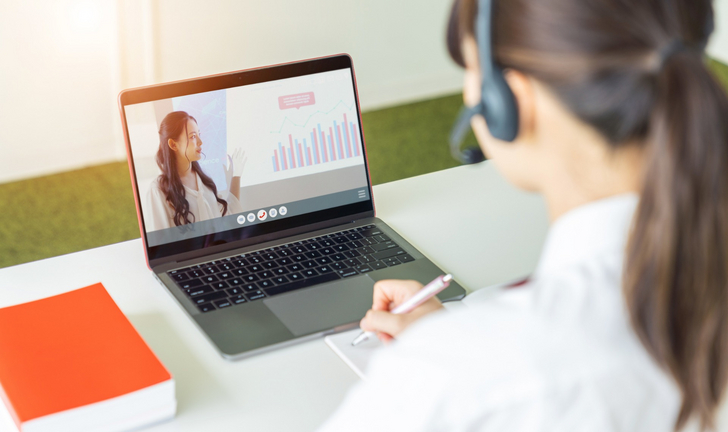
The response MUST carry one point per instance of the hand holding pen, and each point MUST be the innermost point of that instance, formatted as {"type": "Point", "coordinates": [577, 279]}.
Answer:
{"type": "Point", "coordinates": [407, 295]}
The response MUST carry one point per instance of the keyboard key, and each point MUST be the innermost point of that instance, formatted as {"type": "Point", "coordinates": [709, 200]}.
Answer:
{"type": "Point", "coordinates": [340, 240]}
{"type": "Point", "coordinates": [310, 264]}
{"type": "Point", "coordinates": [219, 285]}
{"type": "Point", "coordinates": [383, 246]}
{"type": "Point", "coordinates": [240, 262]}
{"type": "Point", "coordinates": [324, 260]}
{"type": "Point", "coordinates": [266, 274]}
{"type": "Point", "coordinates": [284, 252]}
{"type": "Point", "coordinates": [196, 273]}
{"type": "Point", "coordinates": [355, 244]}
{"type": "Point", "coordinates": [270, 256]}
{"type": "Point", "coordinates": [369, 241]}
{"type": "Point", "coordinates": [299, 258]}
{"type": "Point", "coordinates": [299, 249]}
{"type": "Point", "coordinates": [338, 257]}
{"type": "Point", "coordinates": [250, 278]}
{"type": "Point", "coordinates": [270, 264]}
{"type": "Point", "coordinates": [280, 271]}
{"type": "Point", "coordinates": [327, 250]}
{"type": "Point", "coordinates": [254, 259]}
{"type": "Point", "coordinates": [295, 267]}
{"type": "Point", "coordinates": [207, 307]}
{"type": "Point", "coordinates": [347, 272]}
{"type": "Point", "coordinates": [250, 287]}
{"type": "Point", "coordinates": [313, 246]}
{"type": "Point", "coordinates": [223, 303]}
{"type": "Point", "coordinates": [312, 254]}
{"type": "Point", "coordinates": [363, 268]}
{"type": "Point", "coordinates": [209, 297]}
{"type": "Point", "coordinates": [240, 272]}
{"type": "Point", "coordinates": [225, 266]}
{"type": "Point", "coordinates": [295, 276]}
{"type": "Point", "coordinates": [405, 258]}
{"type": "Point", "coordinates": [341, 248]}
{"type": "Point", "coordinates": [225, 275]}
{"type": "Point", "coordinates": [353, 262]}
{"type": "Point", "coordinates": [179, 277]}
{"type": "Point", "coordinates": [209, 270]}
{"type": "Point", "coordinates": [388, 253]}
{"type": "Point", "coordinates": [196, 292]}
{"type": "Point", "coordinates": [235, 281]}
{"type": "Point", "coordinates": [366, 250]}
{"type": "Point", "coordinates": [265, 284]}
{"type": "Point", "coordinates": [391, 262]}
{"type": "Point", "coordinates": [366, 259]}
{"type": "Point", "coordinates": [238, 299]}
{"type": "Point", "coordinates": [209, 279]}
{"type": "Point", "coordinates": [383, 237]}
{"type": "Point", "coordinates": [354, 236]}
{"type": "Point", "coordinates": [352, 253]}
{"type": "Point", "coordinates": [324, 269]}
{"type": "Point", "coordinates": [235, 291]}
{"type": "Point", "coordinates": [280, 280]}
{"type": "Point", "coordinates": [190, 284]}
{"type": "Point", "coordinates": [327, 242]}
{"type": "Point", "coordinates": [255, 268]}
{"type": "Point", "coordinates": [302, 283]}
{"type": "Point", "coordinates": [338, 265]}
{"type": "Point", "coordinates": [309, 273]}
{"type": "Point", "coordinates": [376, 265]}
{"type": "Point", "coordinates": [284, 261]}
{"type": "Point", "coordinates": [255, 295]}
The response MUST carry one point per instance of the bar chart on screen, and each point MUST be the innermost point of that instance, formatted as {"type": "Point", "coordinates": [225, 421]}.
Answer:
{"type": "Point", "coordinates": [322, 144]}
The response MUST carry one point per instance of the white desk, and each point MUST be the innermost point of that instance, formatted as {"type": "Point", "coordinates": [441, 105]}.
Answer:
{"type": "Point", "coordinates": [467, 219]}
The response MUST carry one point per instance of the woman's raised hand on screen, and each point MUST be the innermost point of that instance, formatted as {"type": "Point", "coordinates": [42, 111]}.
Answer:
{"type": "Point", "coordinates": [236, 163]}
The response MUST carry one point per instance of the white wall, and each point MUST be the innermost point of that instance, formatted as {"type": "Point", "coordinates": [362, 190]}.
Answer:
{"type": "Point", "coordinates": [62, 62]}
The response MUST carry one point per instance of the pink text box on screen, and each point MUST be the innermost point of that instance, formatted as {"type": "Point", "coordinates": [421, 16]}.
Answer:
{"type": "Point", "coordinates": [296, 100]}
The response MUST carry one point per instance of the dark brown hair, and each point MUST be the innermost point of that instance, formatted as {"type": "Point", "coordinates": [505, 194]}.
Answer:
{"type": "Point", "coordinates": [606, 61]}
{"type": "Point", "coordinates": [173, 126]}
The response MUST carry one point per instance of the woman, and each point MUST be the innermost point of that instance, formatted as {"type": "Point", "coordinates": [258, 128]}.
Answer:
{"type": "Point", "coordinates": [183, 193]}
{"type": "Point", "coordinates": [624, 324]}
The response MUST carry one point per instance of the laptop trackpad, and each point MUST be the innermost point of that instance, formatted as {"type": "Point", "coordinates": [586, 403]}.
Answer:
{"type": "Point", "coordinates": [325, 307]}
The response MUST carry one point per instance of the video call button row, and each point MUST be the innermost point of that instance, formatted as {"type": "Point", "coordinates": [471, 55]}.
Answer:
{"type": "Point", "coordinates": [262, 214]}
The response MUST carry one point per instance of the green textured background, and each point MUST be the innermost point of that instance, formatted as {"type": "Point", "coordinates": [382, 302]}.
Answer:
{"type": "Point", "coordinates": [90, 207]}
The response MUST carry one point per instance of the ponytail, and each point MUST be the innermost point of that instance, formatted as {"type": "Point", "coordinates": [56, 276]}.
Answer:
{"type": "Point", "coordinates": [676, 268]}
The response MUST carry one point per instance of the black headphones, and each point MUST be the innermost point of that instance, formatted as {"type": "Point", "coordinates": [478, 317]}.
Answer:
{"type": "Point", "coordinates": [497, 104]}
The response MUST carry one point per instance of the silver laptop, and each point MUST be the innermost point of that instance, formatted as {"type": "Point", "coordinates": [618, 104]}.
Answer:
{"type": "Point", "coordinates": [255, 203]}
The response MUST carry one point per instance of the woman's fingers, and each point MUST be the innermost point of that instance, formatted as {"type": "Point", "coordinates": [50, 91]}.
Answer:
{"type": "Point", "coordinates": [392, 292]}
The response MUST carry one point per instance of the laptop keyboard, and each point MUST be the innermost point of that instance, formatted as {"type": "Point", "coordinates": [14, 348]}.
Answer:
{"type": "Point", "coordinates": [255, 275]}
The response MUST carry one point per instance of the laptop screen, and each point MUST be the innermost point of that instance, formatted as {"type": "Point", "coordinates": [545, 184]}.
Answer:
{"type": "Point", "coordinates": [256, 153]}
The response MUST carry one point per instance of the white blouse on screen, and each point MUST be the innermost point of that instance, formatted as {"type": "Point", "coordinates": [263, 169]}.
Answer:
{"type": "Point", "coordinates": [203, 205]}
{"type": "Point", "coordinates": [557, 354]}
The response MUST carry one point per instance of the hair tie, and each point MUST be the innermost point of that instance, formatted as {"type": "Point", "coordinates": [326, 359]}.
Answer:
{"type": "Point", "coordinates": [674, 47]}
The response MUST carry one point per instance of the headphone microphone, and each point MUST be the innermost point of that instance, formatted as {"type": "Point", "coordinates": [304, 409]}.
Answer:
{"type": "Point", "coordinates": [497, 104]}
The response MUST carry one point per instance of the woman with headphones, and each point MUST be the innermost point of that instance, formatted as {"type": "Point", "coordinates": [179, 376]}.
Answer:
{"type": "Point", "coordinates": [607, 109]}
{"type": "Point", "coordinates": [183, 193]}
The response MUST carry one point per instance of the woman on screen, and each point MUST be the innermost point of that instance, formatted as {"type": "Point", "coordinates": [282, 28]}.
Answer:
{"type": "Point", "coordinates": [183, 193]}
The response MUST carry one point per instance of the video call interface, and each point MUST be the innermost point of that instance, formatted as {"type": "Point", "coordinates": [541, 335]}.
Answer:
{"type": "Point", "coordinates": [211, 162]}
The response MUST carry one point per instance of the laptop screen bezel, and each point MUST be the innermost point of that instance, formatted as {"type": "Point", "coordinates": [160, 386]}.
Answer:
{"type": "Point", "coordinates": [247, 235]}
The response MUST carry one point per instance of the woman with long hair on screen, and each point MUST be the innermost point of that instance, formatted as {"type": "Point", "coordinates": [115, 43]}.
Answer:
{"type": "Point", "coordinates": [183, 193]}
{"type": "Point", "coordinates": [623, 326]}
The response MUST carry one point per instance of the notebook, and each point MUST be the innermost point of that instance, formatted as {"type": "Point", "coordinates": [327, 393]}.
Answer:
{"type": "Point", "coordinates": [74, 362]}
{"type": "Point", "coordinates": [273, 238]}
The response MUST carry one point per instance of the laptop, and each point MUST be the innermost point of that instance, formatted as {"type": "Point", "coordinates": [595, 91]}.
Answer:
{"type": "Point", "coordinates": [255, 203]}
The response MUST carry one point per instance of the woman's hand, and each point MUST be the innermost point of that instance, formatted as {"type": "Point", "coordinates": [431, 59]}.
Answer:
{"type": "Point", "coordinates": [236, 163]}
{"type": "Point", "coordinates": [389, 294]}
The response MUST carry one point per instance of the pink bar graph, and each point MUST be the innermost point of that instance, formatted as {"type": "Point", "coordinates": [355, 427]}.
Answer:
{"type": "Point", "coordinates": [323, 146]}
{"type": "Point", "coordinates": [300, 153]}
{"type": "Point", "coordinates": [315, 146]}
{"type": "Point", "coordinates": [341, 145]}
{"type": "Point", "coordinates": [283, 156]}
{"type": "Point", "coordinates": [278, 166]}
{"type": "Point", "coordinates": [356, 140]}
{"type": "Point", "coordinates": [348, 141]}
{"type": "Point", "coordinates": [308, 150]}
{"type": "Point", "coordinates": [293, 152]}
{"type": "Point", "coordinates": [331, 142]}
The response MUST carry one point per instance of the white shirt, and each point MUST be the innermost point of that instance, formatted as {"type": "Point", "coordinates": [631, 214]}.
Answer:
{"type": "Point", "coordinates": [159, 213]}
{"type": "Point", "coordinates": [557, 354]}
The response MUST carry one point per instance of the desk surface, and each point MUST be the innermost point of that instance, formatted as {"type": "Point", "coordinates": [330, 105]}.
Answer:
{"type": "Point", "coordinates": [468, 220]}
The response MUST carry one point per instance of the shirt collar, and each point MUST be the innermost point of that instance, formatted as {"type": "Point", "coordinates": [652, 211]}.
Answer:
{"type": "Point", "coordinates": [584, 232]}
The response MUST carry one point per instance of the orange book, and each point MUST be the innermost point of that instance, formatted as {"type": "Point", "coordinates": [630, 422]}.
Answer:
{"type": "Point", "coordinates": [75, 362]}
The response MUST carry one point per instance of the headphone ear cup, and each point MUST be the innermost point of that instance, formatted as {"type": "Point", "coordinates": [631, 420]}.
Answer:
{"type": "Point", "coordinates": [499, 107]}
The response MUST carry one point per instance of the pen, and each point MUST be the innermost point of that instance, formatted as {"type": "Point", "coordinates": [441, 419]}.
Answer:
{"type": "Point", "coordinates": [440, 283]}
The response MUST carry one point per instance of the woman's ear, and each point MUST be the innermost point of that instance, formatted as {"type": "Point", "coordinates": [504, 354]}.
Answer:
{"type": "Point", "coordinates": [524, 92]}
{"type": "Point", "coordinates": [172, 144]}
